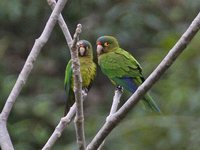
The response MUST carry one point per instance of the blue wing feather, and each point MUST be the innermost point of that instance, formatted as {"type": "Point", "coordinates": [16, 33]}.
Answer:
{"type": "Point", "coordinates": [127, 83]}
{"type": "Point", "coordinates": [131, 86]}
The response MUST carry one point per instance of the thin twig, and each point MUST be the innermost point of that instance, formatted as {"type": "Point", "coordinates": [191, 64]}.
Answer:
{"type": "Point", "coordinates": [79, 119]}
{"type": "Point", "coordinates": [27, 68]}
{"type": "Point", "coordinates": [148, 83]}
{"type": "Point", "coordinates": [61, 126]}
{"type": "Point", "coordinates": [116, 101]}
{"type": "Point", "coordinates": [62, 24]}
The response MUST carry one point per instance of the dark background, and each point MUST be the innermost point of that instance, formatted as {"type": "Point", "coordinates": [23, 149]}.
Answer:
{"type": "Point", "coordinates": [146, 28]}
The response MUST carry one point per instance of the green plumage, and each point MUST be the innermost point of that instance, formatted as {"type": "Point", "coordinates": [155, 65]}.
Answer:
{"type": "Point", "coordinates": [121, 67]}
{"type": "Point", "coordinates": [87, 69]}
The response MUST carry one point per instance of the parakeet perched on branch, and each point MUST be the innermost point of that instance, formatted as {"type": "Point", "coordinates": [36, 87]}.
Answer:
{"type": "Point", "coordinates": [87, 69]}
{"type": "Point", "coordinates": [121, 67]}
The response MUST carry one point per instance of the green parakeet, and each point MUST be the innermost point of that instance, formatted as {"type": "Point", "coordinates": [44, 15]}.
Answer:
{"type": "Point", "coordinates": [121, 67]}
{"type": "Point", "coordinates": [87, 69]}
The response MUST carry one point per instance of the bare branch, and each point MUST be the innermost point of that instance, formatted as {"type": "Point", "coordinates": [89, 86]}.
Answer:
{"type": "Point", "coordinates": [61, 126]}
{"type": "Point", "coordinates": [116, 101]}
{"type": "Point", "coordinates": [79, 119]}
{"type": "Point", "coordinates": [28, 66]}
{"type": "Point", "coordinates": [5, 142]}
{"type": "Point", "coordinates": [149, 82]}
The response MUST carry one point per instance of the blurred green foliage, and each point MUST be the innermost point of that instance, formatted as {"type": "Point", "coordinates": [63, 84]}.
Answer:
{"type": "Point", "coordinates": [147, 28]}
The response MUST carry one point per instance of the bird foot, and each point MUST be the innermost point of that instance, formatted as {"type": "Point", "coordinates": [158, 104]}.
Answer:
{"type": "Point", "coordinates": [120, 88]}
{"type": "Point", "coordinates": [85, 91]}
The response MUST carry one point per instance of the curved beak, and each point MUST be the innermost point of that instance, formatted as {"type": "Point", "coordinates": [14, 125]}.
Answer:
{"type": "Point", "coordinates": [82, 50]}
{"type": "Point", "coordinates": [99, 49]}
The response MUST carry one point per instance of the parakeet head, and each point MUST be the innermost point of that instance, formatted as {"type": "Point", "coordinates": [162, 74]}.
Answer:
{"type": "Point", "coordinates": [84, 48]}
{"type": "Point", "coordinates": [106, 44]}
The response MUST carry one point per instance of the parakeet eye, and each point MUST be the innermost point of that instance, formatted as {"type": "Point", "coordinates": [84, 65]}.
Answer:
{"type": "Point", "coordinates": [106, 44]}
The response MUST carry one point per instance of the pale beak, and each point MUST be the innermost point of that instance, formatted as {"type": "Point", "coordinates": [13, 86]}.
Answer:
{"type": "Point", "coordinates": [82, 51]}
{"type": "Point", "coordinates": [99, 49]}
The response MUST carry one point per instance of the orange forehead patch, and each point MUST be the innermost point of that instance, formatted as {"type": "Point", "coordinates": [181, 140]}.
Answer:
{"type": "Point", "coordinates": [98, 43]}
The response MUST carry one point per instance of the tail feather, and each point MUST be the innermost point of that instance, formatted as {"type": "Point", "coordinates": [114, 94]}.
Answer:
{"type": "Point", "coordinates": [69, 101]}
{"type": "Point", "coordinates": [150, 103]}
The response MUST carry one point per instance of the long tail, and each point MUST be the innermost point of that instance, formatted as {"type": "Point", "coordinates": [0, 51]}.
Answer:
{"type": "Point", "coordinates": [150, 103]}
